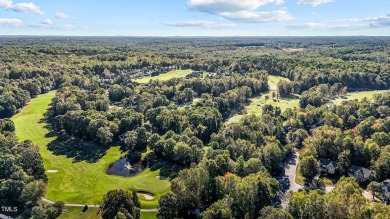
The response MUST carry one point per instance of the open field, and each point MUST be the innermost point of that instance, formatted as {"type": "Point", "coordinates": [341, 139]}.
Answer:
{"type": "Point", "coordinates": [80, 181]}
{"type": "Point", "coordinates": [255, 107]}
{"type": "Point", "coordinates": [166, 76]}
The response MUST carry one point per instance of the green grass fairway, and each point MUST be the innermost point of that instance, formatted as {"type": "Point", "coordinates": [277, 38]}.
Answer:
{"type": "Point", "coordinates": [359, 95]}
{"type": "Point", "coordinates": [274, 80]}
{"type": "Point", "coordinates": [166, 76]}
{"type": "Point", "coordinates": [255, 107]}
{"type": "Point", "coordinates": [148, 215]}
{"type": "Point", "coordinates": [80, 182]}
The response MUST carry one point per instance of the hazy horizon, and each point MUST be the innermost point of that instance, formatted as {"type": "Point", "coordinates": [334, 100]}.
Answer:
{"type": "Point", "coordinates": [193, 18]}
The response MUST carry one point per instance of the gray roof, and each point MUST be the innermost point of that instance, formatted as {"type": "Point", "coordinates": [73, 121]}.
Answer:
{"type": "Point", "coordinates": [326, 162]}
{"type": "Point", "coordinates": [386, 186]}
{"type": "Point", "coordinates": [366, 172]}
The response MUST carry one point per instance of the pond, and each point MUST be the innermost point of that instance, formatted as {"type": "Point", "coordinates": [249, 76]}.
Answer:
{"type": "Point", "coordinates": [123, 168]}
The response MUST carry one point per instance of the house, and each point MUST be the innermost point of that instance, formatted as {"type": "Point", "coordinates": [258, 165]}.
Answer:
{"type": "Point", "coordinates": [327, 166]}
{"type": "Point", "coordinates": [361, 174]}
{"type": "Point", "coordinates": [385, 185]}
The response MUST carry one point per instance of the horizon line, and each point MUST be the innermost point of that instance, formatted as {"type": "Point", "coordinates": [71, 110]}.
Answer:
{"type": "Point", "coordinates": [186, 36]}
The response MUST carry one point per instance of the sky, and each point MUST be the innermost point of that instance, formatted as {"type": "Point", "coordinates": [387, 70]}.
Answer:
{"type": "Point", "coordinates": [195, 17]}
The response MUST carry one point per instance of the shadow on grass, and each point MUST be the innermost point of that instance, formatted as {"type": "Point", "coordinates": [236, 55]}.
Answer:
{"type": "Point", "coordinates": [72, 147]}
{"type": "Point", "coordinates": [77, 149]}
{"type": "Point", "coordinates": [167, 168]}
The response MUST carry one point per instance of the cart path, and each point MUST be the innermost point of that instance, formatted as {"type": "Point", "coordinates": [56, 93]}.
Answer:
{"type": "Point", "coordinates": [94, 205]}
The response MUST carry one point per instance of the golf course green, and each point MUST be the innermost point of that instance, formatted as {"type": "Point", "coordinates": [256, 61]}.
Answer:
{"type": "Point", "coordinates": [80, 182]}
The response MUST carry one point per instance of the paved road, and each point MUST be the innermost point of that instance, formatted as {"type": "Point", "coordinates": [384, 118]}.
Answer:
{"type": "Point", "coordinates": [287, 179]}
{"type": "Point", "coordinates": [93, 206]}
{"type": "Point", "coordinates": [291, 171]}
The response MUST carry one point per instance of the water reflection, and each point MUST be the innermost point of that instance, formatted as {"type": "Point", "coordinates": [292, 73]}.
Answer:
{"type": "Point", "coordinates": [123, 168]}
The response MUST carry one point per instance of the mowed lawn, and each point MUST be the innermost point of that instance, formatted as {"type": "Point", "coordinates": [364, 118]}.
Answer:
{"type": "Point", "coordinates": [255, 107]}
{"type": "Point", "coordinates": [80, 182]}
{"type": "Point", "coordinates": [166, 76]}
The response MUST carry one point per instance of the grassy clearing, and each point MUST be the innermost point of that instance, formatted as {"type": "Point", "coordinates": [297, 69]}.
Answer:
{"type": "Point", "coordinates": [359, 96]}
{"type": "Point", "coordinates": [80, 182]}
{"type": "Point", "coordinates": [166, 76]}
{"type": "Point", "coordinates": [255, 107]}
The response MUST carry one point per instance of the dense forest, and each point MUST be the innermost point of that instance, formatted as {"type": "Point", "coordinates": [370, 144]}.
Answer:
{"type": "Point", "coordinates": [216, 169]}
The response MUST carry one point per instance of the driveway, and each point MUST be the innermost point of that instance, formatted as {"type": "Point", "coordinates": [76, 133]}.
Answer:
{"type": "Point", "coordinates": [287, 179]}
{"type": "Point", "coordinates": [290, 171]}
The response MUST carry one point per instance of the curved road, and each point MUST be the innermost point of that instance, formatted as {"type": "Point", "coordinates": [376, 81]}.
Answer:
{"type": "Point", "coordinates": [94, 206]}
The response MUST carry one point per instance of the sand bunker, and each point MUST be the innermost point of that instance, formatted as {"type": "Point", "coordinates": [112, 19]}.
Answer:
{"type": "Point", "coordinates": [147, 196]}
{"type": "Point", "coordinates": [52, 171]}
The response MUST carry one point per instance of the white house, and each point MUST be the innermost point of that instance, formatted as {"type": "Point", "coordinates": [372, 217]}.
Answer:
{"type": "Point", "coordinates": [327, 166]}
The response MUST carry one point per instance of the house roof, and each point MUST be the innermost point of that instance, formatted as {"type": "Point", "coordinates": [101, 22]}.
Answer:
{"type": "Point", "coordinates": [386, 183]}
{"type": "Point", "coordinates": [2, 216]}
{"type": "Point", "coordinates": [326, 162]}
{"type": "Point", "coordinates": [386, 186]}
{"type": "Point", "coordinates": [366, 172]}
